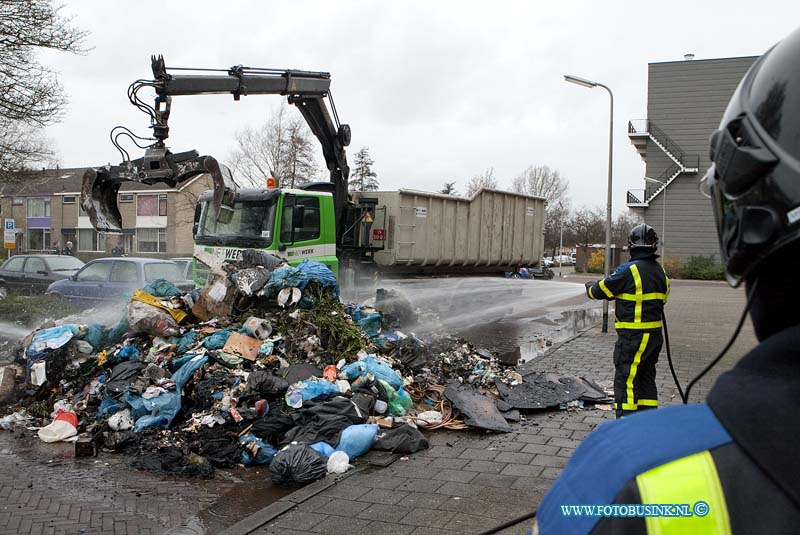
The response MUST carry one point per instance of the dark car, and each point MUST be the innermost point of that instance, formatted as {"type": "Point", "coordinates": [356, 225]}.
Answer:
{"type": "Point", "coordinates": [29, 274]}
{"type": "Point", "coordinates": [110, 280]}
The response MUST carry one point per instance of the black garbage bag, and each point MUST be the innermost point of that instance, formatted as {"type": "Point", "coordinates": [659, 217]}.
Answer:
{"type": "Point", "coordinates": [173, 460]}
{"type": "Point", "coordinates": [255, 257]}
{"type": "Point", "coordinates": [267, 383]}
{"type": "Point", "coordinates": [326, 417]}
{"type": "Point", "coordinates": [272, 427]}
{"type": "Point", "coordinates": [297, 463]}
{"type": "Point", "coordinates": [401, 438]}
{"type": "Point", "coordinates": [123, 375]}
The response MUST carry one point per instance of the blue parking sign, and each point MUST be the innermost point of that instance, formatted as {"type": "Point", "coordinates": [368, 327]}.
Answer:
{"type": "Point", "coordinates": [9, 224]}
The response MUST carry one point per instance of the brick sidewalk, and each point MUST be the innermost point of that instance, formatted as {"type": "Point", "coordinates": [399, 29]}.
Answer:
{"type": "Point", "coordinates": [468, 482]}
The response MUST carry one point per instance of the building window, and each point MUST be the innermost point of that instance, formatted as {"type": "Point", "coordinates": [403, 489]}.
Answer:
{"type": "Point", "coordinates": [38, 239]}
{"type": "Point", "coordinates": [17, 202]}
{"type": "Point", "coordinates": [151, 205]}
{"type": "Point", "coordinates": [90, 240]}
{"type": "Point", "coordinates": [151, 240]}
{"type": "Point", "coordinates": [126, 197]}
{"type": "Point", "coordinates": [69, 199]}
{"type": "Point", "coordinates": [38, 208]}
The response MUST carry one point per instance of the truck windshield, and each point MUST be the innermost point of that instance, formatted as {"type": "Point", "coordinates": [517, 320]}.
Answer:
{"type": "Point", "coordinates": [251, 225]}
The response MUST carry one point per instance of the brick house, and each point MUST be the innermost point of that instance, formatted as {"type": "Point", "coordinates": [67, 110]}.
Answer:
{"type": "Point", "coordinates": [157, 220]}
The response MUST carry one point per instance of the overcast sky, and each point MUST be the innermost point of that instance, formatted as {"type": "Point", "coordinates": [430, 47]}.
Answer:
{"type": "Point", "coordinates": [439, 91]}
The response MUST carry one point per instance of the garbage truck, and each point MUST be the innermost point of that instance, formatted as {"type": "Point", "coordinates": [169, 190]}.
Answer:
{"type": "Point", "coordinates": [402, 232]}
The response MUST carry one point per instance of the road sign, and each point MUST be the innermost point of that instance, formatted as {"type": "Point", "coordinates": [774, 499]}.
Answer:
{"type": "Point", "coordinates": [9, 240]}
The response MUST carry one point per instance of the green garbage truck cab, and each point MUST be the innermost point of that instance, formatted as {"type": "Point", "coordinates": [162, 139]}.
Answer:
{"type": "Point", "coordinates": [296, 225]}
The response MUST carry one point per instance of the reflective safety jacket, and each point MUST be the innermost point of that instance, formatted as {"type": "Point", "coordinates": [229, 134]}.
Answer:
{"type": "Point", "coordinates": [639, 287]}
{"type": "Point", "coordinates": [730, 466]}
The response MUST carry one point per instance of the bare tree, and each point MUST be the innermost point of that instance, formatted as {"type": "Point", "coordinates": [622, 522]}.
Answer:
{"type": "Point", "coordinates": [299, 162]}
{"type": "Point", "coordinates": [21, 148]}
{"type": "Point", "coordinates": [449, 188]}
{"type": "Point", "coordinates": [621, 228]}
{"type": "Point", "coordinates": [363, 178]}
{"type": "Point", "coordinates": [587, 225]}
{"type": "Point", "coordinates": [542, 181]}
{"type": "Point", "coordinates": [485, 180]}
{"type": "Point", "coordinates": [280, 148]}
{"type": "Point", "coordinates": [30, 95]}
{"type": "Point", "coordinates": [556, 222]}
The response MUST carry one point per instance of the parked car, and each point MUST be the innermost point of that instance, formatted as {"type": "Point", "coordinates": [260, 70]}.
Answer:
{"type": "Point", "coordinates": [547, 261]}
{"type": "Point", "coordinates": [31, 274]}
{"type": "Point", "coordinates": [185, 265]}
{"type": "Point", "coordinates": [536, 272]}
{"type": "Point", "coordinates": [109, 280]}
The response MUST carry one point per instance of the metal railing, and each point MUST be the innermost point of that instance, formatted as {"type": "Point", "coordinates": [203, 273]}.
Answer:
{"type": "Point", "coordinates": [637, 126]}
{"type": "Point", "coordinates": [646, 126]}
{"type": "Point", "coordinates": [635, 196]}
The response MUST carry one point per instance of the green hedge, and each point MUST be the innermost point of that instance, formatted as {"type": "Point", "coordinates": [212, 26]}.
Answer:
{"type": "Point", "coordinates": [702, 268]}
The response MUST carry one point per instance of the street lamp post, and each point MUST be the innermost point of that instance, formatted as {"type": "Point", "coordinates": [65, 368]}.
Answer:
{"type": "Point", "coordinates": [561, 240]}
{"type": "Point", "coordinates": [663, 218]}
{"type": "Point", "coordinates": [607, 267]}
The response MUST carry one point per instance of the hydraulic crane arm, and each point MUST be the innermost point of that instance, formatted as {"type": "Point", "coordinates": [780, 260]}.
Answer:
{"type": "Point", "coordinates": [304, 89]}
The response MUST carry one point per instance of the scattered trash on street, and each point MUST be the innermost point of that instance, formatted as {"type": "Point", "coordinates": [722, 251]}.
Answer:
{"type": "Point", "coordinates": [265, 366]}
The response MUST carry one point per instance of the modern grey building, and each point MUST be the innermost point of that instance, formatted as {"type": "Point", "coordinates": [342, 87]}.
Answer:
{"type": "Point", "coordinates": [685, 102]}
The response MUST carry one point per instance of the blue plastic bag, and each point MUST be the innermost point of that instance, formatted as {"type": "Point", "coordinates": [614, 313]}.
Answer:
{"type": "Point", "coordinates": [128, 352]}
{"type": "Point", "coordinates": [95, 336]}
{"type": "Point", "coordinates": [265, 451]}
{"type": "Point", "coordinates": [163, 409]}
{"type": "Point", "coordinates": [217, 340]}
{"type": "Point", "coordinates": [370, 324]}
{"type": "Point", "coordinates": [118, 331]}
{"type": "Point", "coordinates": [307, 390]}
{"type": "Point", "coordinates": [183, 342]}
{"type": "Point", "coordinates": [371, 365]}
{"type": "Point", "coordinates": [109, 406]}
{"type": "Point", "coordinates": [52, 338]}
{"type": "Point", "coordinates": [161, 288]}
{"type": "Point", "coordinates": [323, 447]}
{"type": "Point", "coordinates": [356, 440]}
{"type": "Point", "coordinates": [320, 273]}
{"type": "Point", "coordinates": [287, 277]}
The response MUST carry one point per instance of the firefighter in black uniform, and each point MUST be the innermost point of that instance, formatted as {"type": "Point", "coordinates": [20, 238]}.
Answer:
{"type": "Point", "coordinates": [733, 459]}
{"type": "Point", "coordinates": [640, 288]}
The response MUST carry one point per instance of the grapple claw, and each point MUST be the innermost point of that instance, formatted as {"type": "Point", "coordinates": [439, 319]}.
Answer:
{"type": "Point", "coordinates": [224, 189]}
{"type": "Point", "coordinates": [99, 200]}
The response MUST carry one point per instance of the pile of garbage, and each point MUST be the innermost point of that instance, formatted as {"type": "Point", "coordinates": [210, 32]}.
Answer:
{"type": "Point", "coordinates": [263, 366]}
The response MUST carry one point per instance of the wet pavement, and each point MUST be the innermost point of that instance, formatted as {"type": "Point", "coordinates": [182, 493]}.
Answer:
{"type": "Point", "coordinates": [500, 314]}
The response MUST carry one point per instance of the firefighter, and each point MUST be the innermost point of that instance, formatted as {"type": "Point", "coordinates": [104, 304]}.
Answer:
{"type": "Point", "coordinates": [640, 289]}
{"type": "Point", "coordinates": [732, 460]}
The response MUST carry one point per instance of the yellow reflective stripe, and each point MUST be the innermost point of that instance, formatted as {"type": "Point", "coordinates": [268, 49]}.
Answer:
{"type": "Point", "coordinates": [627, 406]}
{"type": "Point", "coordinates": [634, 366]}
{"type": "Point", "coordinates": [605, 289]}
{"type": "Point", "coordinates": [589, 293]}
{"type": "Point", "coordinates": [653, 296]}
{"type": "Point", "coordinates": [687, 480]}
{"type": "Point", "coordinates": [637, 281]}
{"type": "Point", "coordinates": [647, 402]}
{"type": "Point", "coordinates": [667, 279]}
{"type": "Point", "coordinates": [637, 325]}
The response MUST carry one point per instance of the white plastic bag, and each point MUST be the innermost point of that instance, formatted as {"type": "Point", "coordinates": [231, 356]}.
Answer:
{"type": "Point", "coordinates": [121, 421]}
{"type": "Point", "coordinates": [38, 373]}
{"type": "Point", "coordinates": [338, 463]}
